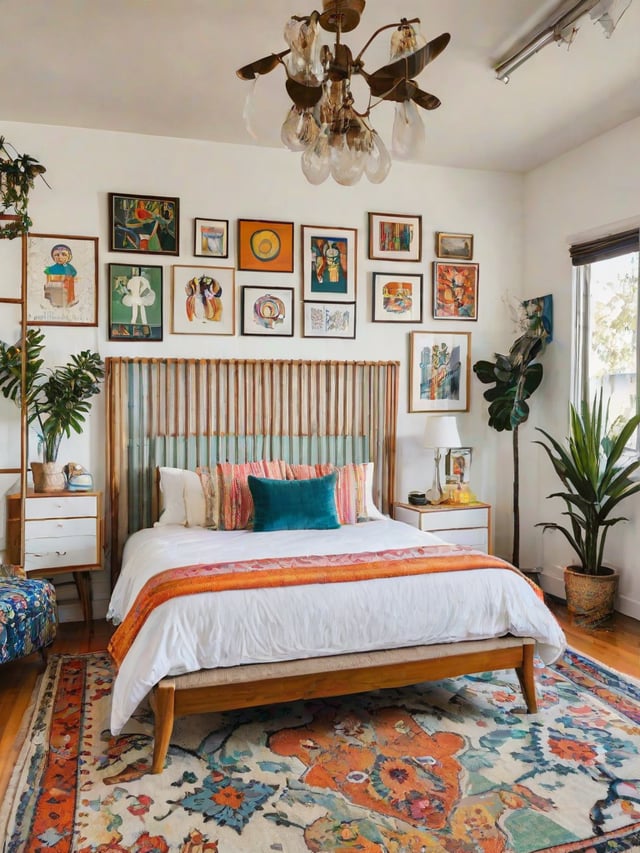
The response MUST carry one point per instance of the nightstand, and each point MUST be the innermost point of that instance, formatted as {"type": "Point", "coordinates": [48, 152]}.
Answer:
{"type": "Point", "coordinates": [461, 524]}
{"type": "Point", "coordinates": [63, 534]}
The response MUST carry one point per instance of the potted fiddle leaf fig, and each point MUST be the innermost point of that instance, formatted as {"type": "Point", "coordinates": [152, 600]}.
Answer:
{"type": "Point", "coordinates": [17, 175]}
{"type": "Point", "coordinates": [596, 479]}
{"type": "Point", "coordinates": [514, 377]}
{"type": "Point", "coordinates": [58, 399]}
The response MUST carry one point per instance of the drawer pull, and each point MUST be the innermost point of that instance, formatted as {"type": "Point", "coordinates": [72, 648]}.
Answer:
{"type": "Point", "coordinates": [61, 553]}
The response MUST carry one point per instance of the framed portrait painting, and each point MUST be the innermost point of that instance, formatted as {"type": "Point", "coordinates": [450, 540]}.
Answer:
{"type": "Point", "coordinates": [135, 303]}
{"type": "Point", "coordinates": [62, 280]}
{"type": "Point", "coordinates": [147, 224]}
{"type": "Point", "coordinates": [397, 298]}
{"type": "Point", "coordinates": [203, 300]}
{"type": "Point", "coordinates": [265, 246]}
{"type": "Point", "coordinates": [455, 291]}
{"type": "Point", "coordinates": [457, 466]}
{"type": "Point", "coordinates": [329, 320]}
{"type": "Point", "coordinates": [211, 238]}
{"type": "Point", "coordinates": [455, 246]}
{"type": "Point", "coordinates": [439, 368]}
{"type": "Point", "coordinates": [395, 237]}
{"type": "Point", "coordinates": [267, 311]}
{"type": "Point", "coordinates": [329, 258]}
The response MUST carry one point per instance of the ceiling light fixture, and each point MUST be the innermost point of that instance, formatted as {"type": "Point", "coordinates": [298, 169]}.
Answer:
{"type": "Point", "coordinates": [323, 123]}
{"type": "Point", "coordinates": [560, 27]}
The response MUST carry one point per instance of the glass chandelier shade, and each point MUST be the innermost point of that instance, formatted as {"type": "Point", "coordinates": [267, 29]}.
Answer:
{"type": "Point", "coordinates": [334, 137]}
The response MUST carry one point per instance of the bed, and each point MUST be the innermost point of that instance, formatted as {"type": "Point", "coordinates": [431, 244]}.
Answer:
{"type": "Point", "coordinates": [317, 638]}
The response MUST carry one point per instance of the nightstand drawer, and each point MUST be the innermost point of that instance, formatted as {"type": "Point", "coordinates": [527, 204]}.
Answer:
{"type": "Point", "coordinates": [61, 552]}
{"type": "Point", "coordinates": [51, 528]}
{"type": "Point", "coordinates": [62, 507]}
{"type": "Point", "coordinates": [454, 519]}
{"type": "Point", "coordinates": [476, 537]}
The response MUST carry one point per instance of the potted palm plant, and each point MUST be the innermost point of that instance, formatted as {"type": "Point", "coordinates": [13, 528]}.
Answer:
{"type": "Point", "coordinates": [596, 479]}
{"type": "Point", "coordinates": [58, 399]}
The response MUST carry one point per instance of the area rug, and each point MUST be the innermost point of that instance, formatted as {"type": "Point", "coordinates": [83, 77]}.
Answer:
{"type": "Point", "coordinates": [455, 765]}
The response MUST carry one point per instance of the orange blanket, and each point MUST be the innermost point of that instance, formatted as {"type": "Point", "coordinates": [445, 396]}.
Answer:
{"type": "Point", "coordinates": [292, 571]}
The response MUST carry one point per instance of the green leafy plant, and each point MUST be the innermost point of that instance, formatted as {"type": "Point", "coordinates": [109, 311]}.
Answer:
{"type": "Point", "coordinates": [514, 377]}
{"type": "Point", "coordinates": [58, 399]}
{"type": "Point", "coordinates": [17, 175]}
{"type": "Point", "coordinates": [596, 480]}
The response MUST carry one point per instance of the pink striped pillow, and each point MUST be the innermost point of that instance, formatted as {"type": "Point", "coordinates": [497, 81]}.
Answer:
{"type": "Point", "coordinates": [235, 504]}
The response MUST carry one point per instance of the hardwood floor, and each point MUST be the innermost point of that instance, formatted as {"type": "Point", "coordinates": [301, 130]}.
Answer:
{"type": "Point", "coordinates": [618, 646]}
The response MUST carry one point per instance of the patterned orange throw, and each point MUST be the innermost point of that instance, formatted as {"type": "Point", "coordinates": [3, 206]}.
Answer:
{"type": "Point", "coordinates": [294, 571]}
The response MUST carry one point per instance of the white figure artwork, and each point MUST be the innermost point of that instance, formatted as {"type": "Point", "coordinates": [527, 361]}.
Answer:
{"type": "Point", "coordinates": [139, 297]}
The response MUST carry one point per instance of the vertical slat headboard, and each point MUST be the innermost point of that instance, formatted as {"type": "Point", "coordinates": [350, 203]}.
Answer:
{"type": "Point", "coordinates": [184, 413]}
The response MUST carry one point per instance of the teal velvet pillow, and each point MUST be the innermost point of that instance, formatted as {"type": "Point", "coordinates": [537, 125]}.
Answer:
{"type": "Point", "coordinates": [294, 504]}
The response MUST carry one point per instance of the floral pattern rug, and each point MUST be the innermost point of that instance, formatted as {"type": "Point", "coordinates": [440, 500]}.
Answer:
{"type": "Point", "coordinates": [454, 766]}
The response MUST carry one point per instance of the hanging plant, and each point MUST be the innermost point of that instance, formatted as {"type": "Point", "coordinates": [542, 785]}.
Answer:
{"type": "Point", "coordinates": [17, 175]}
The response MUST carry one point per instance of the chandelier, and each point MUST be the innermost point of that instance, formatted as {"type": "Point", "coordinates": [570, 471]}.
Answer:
{"type": "Point", "coordinates": [323, 123]}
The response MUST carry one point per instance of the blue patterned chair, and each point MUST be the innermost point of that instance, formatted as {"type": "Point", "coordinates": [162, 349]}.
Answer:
{"type": "Point", "coordinates": [28, 615]}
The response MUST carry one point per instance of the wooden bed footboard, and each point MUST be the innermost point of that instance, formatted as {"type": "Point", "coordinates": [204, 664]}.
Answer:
{"type": "Point", "coordinates": [252, 685]}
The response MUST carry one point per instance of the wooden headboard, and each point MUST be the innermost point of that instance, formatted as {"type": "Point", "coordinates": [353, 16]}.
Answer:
{"type": "Point", "coordinates": [188, 412]}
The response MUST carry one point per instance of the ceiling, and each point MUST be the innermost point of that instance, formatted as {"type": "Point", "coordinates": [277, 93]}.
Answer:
{"type": "Point", "coordinates": [167, 67]}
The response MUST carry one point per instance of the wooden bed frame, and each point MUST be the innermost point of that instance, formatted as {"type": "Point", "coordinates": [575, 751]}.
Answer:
{"type": "Point", "coordinates": [186, 412]}
{"type": "Point", "coordinates": [229, 688]}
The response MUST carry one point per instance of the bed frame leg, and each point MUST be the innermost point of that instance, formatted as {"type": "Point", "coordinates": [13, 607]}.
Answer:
{"type": "Point", "coordinates": [526, 678]}
{"type": "Point", "coordinates": [163, 710]}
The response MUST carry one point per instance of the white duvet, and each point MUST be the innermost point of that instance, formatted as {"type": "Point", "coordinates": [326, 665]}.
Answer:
{"type": "Point", "coordinates": [260, 625]}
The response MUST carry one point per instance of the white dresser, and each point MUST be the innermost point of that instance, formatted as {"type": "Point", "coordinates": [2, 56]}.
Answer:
{"type": "Point", "coordinates": [63, 534]}
{"type": "Point", "coordinates": [460, 524]}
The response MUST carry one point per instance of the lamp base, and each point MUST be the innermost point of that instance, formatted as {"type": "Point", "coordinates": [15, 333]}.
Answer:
{"type": "Point", "coordinates": [435, 495]}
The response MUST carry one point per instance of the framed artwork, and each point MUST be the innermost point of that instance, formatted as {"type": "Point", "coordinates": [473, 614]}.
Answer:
{"type": "Point", "coordinates": [397, 298]}
{"type": "Point", "coordinates": [538, 315]}
{"type": "Point", "coordinates": [455, 291]}
{"type": "Point", "coordinates": [456, 246]}
{"type": "Point", "coordinates": [62, 280]}
{"type": "Point", "coordinates": [267, 311]}
{"type": "Point", "coordinates": [144, 223]}
{"type": "Point", "coordinates": [439, 368]}
{"type": "Point", "coordinates": [211, 238]}
{"type": "Point", "coordinates": [329, 320]}
{"type": "Point", "coordinates": [394, 237]}
{"type": "Point", "coordinates": [329, 259]}
{"type": "Point", "coordinates": [265, 246]}
{"type": "Point", "coordinates": [457, 465]}
{"type": "Point", "coordinates": [135, 303]}
{"type": "Point", "coordinates": [203, 300]}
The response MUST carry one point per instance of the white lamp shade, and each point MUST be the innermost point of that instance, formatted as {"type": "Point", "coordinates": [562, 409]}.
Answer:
{"type": "Point", "coordinates": [441, 431]}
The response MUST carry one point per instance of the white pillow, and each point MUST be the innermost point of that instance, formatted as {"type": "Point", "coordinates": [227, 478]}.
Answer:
{"type": "Point", "coordinates": [194, 500]}
{"type": "Point", "coordinates": [182, 498]}
{"type": "Point", "coordinates": [373, 512]}
{"type": "Point", "coordinates": [172, 497]}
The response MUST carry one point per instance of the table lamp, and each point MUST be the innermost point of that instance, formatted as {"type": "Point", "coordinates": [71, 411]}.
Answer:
{"type": "Point", "coordinates": [440, 431]}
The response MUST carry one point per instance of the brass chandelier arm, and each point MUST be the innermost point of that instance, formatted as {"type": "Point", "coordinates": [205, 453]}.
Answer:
{"type": "Point", "coordinates": [380, 30]}
{"type": "Point", "coordinates": [262, 66]}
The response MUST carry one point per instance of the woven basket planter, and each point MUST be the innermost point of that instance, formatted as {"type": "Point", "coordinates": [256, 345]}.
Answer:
{"type": "Point", "coordinates": [590, 598]}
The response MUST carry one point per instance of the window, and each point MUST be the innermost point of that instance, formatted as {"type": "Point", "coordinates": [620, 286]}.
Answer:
{"type": "Point", "coordinates": [607, 355]}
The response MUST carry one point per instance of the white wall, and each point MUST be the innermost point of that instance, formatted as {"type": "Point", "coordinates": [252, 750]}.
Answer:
{"type": "Point", "coordinates": [231, 182]}
{"type": "Point", "coordinates": [591, 191]}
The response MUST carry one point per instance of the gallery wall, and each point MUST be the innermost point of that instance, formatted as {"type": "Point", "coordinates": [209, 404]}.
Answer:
{"type": "Point", "coordinates": [214, 181]}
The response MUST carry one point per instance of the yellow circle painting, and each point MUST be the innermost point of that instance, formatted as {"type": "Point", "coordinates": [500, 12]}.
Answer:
{"type": "Point", "coordinates": [265, 244]}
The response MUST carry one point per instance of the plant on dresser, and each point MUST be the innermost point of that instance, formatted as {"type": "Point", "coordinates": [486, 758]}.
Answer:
{"type": "Point", "coordinates": [58, 399]}
{"type": "Point", "coordinates": [17, 175]}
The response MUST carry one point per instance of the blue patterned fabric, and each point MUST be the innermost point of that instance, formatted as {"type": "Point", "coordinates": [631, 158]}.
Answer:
{"type": "Point", "coordinates": [28, 616]}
